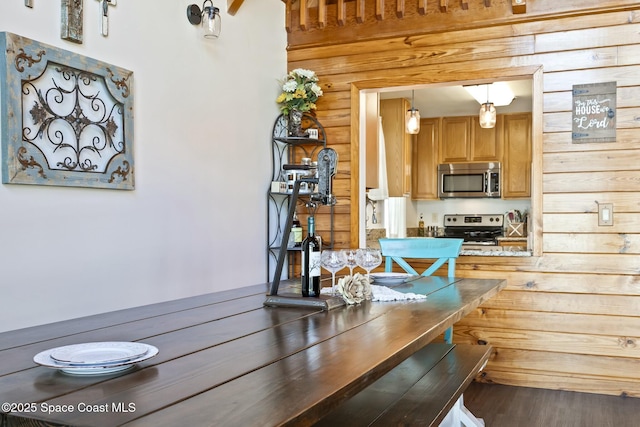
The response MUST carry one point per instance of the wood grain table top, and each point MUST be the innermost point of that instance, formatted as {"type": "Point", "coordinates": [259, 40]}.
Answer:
{"type": "Point", "coordinates": [226, 359]}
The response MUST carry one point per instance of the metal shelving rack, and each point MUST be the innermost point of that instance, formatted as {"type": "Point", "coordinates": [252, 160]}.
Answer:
{"type": "Point", "coordinates": [290, 150]}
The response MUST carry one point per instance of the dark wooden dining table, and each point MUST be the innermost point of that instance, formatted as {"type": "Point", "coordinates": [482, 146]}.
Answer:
{"type": "Point", "coordinates": [225, 359]}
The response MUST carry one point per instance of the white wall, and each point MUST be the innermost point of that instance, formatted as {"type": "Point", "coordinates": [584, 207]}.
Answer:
{"type": "Point", "coordinates": [196, 221]}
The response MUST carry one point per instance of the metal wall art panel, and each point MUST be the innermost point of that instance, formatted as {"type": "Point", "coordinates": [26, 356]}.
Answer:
{"type": "Point", "coordinates": [66, 119]}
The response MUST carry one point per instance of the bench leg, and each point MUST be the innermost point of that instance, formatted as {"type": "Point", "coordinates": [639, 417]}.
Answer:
{"type": "Point", "coordinates": [466, 417]}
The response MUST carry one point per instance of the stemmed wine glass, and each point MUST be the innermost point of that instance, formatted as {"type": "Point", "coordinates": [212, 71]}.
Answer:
{"type": "Point", "coordinates": [368, 258]}
{"type": "Point", "coordinates": [333, 261]}
{"type": "Point", "coordinates": [351, 259]}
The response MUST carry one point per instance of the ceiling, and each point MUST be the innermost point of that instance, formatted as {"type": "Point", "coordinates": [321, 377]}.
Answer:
{"type": "Point", "coordinates": [445, 101]}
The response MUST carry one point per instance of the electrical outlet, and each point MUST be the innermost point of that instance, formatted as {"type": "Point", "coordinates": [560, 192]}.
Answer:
{"type": "Point", "coordinates": [313, 133]}
{"type": "Point", "coordinates": [605, 214]}
{"type": "Point", "coordinates": [434, 218]}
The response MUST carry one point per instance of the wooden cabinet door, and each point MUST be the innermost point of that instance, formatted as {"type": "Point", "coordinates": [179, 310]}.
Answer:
{"type": "Point", "coordinates": [397, 146]}
{"type": "Point", "coordinates": [516, 175]}
{"type": "Point", "coordinates": [486, 144]}
{"type": "Point", "coordinates": [455, 142]}
{"type": "Point", "coordinates": [424, 185]}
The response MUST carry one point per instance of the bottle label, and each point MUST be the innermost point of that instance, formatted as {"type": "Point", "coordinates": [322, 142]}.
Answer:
{"type": "Point", "coordinates": [297, 235]}
{"type": "Point", "coordinates": [314, 264]}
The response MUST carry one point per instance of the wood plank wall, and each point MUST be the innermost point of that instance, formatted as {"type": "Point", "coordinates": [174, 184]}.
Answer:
{"type": "Point", "coordinates": [570, 318]}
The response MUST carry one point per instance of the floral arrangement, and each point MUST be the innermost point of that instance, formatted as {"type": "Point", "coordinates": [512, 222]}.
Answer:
{"type": "Point", "coordinates": [300, 91]}
{"type": "Point", "coordinates": [354, 289]}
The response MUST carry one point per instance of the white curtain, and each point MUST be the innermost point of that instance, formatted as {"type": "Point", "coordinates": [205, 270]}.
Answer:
{"type": "Point", "coordinates": [396, 217]}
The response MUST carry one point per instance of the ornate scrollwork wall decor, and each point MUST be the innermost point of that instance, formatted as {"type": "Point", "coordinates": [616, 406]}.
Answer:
{"type": "Point", "coordinates": [69, 118]}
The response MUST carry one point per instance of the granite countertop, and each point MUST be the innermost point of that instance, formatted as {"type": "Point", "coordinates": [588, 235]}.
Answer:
{"type": "Point", "coordinates": [513, 253]}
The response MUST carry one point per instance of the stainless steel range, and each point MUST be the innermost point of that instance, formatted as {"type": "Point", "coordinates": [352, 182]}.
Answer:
{"type": "Point", "coordinates": [480, 232]}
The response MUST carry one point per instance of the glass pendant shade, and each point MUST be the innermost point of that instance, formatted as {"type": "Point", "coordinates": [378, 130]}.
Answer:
{"type": "Point", "coordinates": [210, 22]}
{"type": "Point", "coordinates": [487, 115]}
{"type": "Point", "coordinates": [412, 121]}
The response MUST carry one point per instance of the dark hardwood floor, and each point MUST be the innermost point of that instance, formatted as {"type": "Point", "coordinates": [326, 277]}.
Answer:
{"type": "Point", "coordinates": [506, 406]}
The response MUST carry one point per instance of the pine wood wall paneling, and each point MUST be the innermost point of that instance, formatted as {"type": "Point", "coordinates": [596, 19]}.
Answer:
{"type": "Point", "coordinates": [591, 161]}
{"type": "Point", "coordinates": [621, 305]}
{"type": "Point", "coordinates": [587, 202]}
{"type": "Point", "coordinates": [560, 381]}
{"type": "Point", "coordinates": [593, 181]}
{"type": "Point", "coordinates": [556, 279]}
{"type": "Point", "coordinates": [498, 319]}
{"type": "Point", "coordinates": [621, 243]}
{"type": "Point", "coordinates": [561, 142]}
{"type": "Point", "coordinates": [565, 364]}
{"type": "Point", "coordinates": [583, 342]}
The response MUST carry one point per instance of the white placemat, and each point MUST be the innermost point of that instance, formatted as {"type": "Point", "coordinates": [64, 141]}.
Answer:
{"type": "Point", "coordinates": [383, 293]}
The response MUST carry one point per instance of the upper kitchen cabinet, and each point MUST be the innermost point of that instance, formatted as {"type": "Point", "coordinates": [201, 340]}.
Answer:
{"type": "Point", "coordinates": [424, 185]}
{"type": "Point", "coordinates": [456, 139]}
{"type": "Point", "coordinates": [463, 140]}
{"type": "Point", "coordinates": [397, 146]}
{"type": "Point", "coordinates": [486, 144]}
{"type": "Point", "coordinates": [516, 171]}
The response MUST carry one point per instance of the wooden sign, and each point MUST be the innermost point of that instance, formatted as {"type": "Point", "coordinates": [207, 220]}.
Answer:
{"type": "Point", "coordinates": [594, 112]}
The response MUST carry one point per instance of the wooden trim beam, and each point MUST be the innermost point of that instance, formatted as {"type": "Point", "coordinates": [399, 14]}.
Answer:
{"type": "Point", "coordinates": [360, 11]}
{"type": "Point", "coordinates": [519, 6]}
{"type": "Point", "coordinates": [464, 4]}
{"type": "Point", "coordinates": [379, 10]}
{"type": "Point", "coordinates": [287, 16]}
{"type": "Point", "coordinates": [342, 13]}
{"type": "Point", "coordinates": [233, 6]}
{"type": "Point", "coordinates": [487, 3]}
{"type": "Point", "coordinates": [444, 5]}
{"type": "Point", "coordinates": [322, 13]}
{"type": "Point", "coordinates": [304, 15]}
{"type": "Point", "coordinates": [422, 7]}
{"type": "Point", "coordinates": [400, 8]}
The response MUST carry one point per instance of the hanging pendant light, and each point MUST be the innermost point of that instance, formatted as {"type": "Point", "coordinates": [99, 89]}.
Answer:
{"type": "Point", "coordinates": [412, 118]}
{"type": "Point", "coordinates": [487, 114]}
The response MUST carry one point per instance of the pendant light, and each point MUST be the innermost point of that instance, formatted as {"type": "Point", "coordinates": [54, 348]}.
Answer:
{"type": "Point", "coordinates": [412, 118]}
{"type": "Point", "coordinates": [487, 114]}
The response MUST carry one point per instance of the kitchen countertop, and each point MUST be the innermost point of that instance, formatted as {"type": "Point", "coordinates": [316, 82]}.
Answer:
{"type": "Point", "coordinates": [514, 253]}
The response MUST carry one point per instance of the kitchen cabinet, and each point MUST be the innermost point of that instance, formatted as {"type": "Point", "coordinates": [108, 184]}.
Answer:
{"type": "Point", "coordinates": [516, 167]}
{"type": "Point", "coordinates": [424, 185]}
{"type": "Point", "coordinates": [463, 140]}
{"type": "Point", "coordinates": [397, 145]}
{"type": "Point", "coordinates": [486, 144]}
{"type": "Point", "coordinates": [456, 139]}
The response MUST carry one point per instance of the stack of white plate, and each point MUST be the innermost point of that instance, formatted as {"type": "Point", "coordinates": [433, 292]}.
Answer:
{"type": "Point", "coordinates": [389, 278]}
{"type": "Point", "coordinates": [95, 358]}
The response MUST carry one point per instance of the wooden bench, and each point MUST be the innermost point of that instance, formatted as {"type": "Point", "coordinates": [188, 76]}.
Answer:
{"type": "Point", "coordinates": [420, 391]}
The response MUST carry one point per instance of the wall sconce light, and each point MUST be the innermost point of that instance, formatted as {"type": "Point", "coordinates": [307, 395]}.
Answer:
{"type": "Point", "coordinates": [412, 119]}
{"type": "Point", "coordinates": [487, 116]}
{"type": "Point", "coordinates": [208, 18]}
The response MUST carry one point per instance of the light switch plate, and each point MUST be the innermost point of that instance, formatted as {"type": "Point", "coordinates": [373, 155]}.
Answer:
{"type": "Point", "coordinates": [605, 214]}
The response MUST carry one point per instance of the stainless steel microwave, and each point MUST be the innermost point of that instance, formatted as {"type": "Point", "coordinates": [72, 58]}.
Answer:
{"type": "Point", "coordinates": [479, 180]}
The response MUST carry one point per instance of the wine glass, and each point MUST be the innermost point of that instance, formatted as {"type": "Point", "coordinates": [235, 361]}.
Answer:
{"type": "Point", "coordinates": [351, 259]}
{"type": "Point", "coordinates": [368, 258]}
{"type": "Point", "coordinates": [333, 261]}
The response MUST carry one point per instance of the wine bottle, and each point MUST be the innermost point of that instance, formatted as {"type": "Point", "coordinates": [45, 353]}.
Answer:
{"type": "Point", "coordinates": [296, 231]}
{"type": "Point", "coordinates": [421, 227]}
{"type": "Point", "coordinates": [311, 262]}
